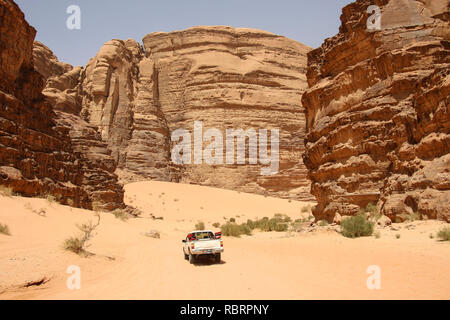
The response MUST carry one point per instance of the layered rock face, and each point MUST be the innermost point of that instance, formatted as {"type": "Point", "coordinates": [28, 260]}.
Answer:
{"type": "Point", "coordinates": [47, 63]}
{"type": "Point", "coordinates": [37, 156]}
{"type": "Point", "coordinates": [224, 77]}
{"type": "Point", "coordinates": [377, 109]}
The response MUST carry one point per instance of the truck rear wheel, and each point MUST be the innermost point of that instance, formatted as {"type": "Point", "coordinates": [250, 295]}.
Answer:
{"type": "Point", "coordinates": [217, 258]}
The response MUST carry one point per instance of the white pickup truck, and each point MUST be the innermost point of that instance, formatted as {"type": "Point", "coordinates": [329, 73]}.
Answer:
{"type": "Point", "coordinates": [205, 242]}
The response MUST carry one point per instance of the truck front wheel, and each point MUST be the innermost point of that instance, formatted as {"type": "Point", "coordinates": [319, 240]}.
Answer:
{"type": "Point", "coordinates": [191, 258]}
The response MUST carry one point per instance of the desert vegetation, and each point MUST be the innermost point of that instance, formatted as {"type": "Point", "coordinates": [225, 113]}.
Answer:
{"type": "Point", "coordinates": [4, 229]}
{"type": "Point", "coordinates": [278, 223]}
{"type": "Point", "coordinates": [357, 226]}
{"type": "Point", "coordinates": [40, 212]}
{"type": "Point", "coordinates": [121, 214]}
{"type": "Point", "coordinates": [231, 229]}
{"type": "Point", "coordinates": [80, 243]}
{"type": "Point", "coordinates": [444, 234]}
{"type": "Point", "coordinates": [371, 211]}
{"type": "Point", "coordinates": [200, 226]}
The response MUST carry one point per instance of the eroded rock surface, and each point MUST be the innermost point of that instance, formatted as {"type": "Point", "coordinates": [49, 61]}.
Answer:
{"type": "Point", "coordinates": [378, 117]}
{"type": "Point", "coordinates": [227, 78]}
{"type": "Point", "coordinates": [37, 156]}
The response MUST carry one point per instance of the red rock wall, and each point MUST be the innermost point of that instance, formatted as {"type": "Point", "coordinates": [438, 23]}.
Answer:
{"type": "Point", "coordinates": [378, 118]}
{"type": "Point", "coordinates": [37, 157]}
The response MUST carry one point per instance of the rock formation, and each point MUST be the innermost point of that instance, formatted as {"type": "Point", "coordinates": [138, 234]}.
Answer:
{"type": "Point", "coordinates": [227, 78]}
{"type": "Point", "coordinates": [37, 155]}
{"type": "Point", "coordinates": [378, 118]}
{"type": "Point", "coordinates": [47, 63]}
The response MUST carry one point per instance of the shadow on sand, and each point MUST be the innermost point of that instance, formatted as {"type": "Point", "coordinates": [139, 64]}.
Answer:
{"type": "Point", "coordinates": [206, 261]}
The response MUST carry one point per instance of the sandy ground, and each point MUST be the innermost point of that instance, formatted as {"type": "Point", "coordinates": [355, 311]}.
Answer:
{"type": "Point", "coordinates": [128, 265]}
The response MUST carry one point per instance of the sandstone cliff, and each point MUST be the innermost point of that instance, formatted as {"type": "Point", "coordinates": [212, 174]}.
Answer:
{"type": "Point", "coordinates": [37, 156]}
{"type": "Point", "coordinates": [227, 78]}
{"type": "Point", "coordinates": [377, 109]}
{"type": "Point", "coordinates": [47, 63]}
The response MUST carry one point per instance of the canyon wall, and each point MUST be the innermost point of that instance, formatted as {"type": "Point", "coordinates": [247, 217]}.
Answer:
{"type": "Point", "coordinates": [377, 112]}
{"type": "Point", "coordinates": [227, 78]}
{"type": "Point", "coordinates": [38, 157]}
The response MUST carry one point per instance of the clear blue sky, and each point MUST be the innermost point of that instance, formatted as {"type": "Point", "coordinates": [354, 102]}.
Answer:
{"type": "Point", "coordinates": [307, 21]}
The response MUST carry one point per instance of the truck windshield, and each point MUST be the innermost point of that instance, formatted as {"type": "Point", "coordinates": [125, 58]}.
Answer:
{"type": "Point", "coordinates": [204, 235]}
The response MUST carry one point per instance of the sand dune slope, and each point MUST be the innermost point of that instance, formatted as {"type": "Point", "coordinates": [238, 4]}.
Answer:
{"type": "Point", "coordinates": [128, 265]}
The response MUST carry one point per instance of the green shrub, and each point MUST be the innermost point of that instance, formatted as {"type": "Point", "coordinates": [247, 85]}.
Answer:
{"type": "Point", "coordinates": [235, 230]}
{"type": "Point", "coordinates": [305, 209]}
{"type": "Point", "coordinates": [200, 226]}
{"type": "Point", "coordinates": [278, 223]}
{"type": "Point", "coordinates": [444, 234]}
{"type": "Point", "coordinates": [398, 236]}
{"type": "Point", "coordinates": [413, 217]}
{"type": "Point", "coordinates": [263, 224]}
{"type": "Point", "coordinates": [251, 224]}
{"type": "Point", "coordinates": [323, 223]}
{"type": "Point", "coordinates": [372, 210]}
{"type": "Point", "coordinates": [281, 227]}
{"type": "Point", "coordinates": [4, 229]}
{"type": "Point", "coordinates": [120, 214]}
{"type": "Point", "coordinates": [232, 220]}
{"type": "Point", "coordinates": [356, 226]}
{"type": "Point", "coordinates": [216, 225]}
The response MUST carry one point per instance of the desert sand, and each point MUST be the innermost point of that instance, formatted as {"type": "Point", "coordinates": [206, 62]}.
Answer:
{"type": "Point", "coordinates": [290, 265]}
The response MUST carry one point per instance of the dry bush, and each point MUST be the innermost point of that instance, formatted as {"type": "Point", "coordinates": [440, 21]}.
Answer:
{"type": "Point", "coordinates": [200, 226]}
{"type": "Point", "coordinates": [79, 244]}
{"type": "Point", "coordinates": [444, 234]}
{"type": "Point", "coordinates": [120, 214]}
{"type": "Point", "coordinates": [4, 229]}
